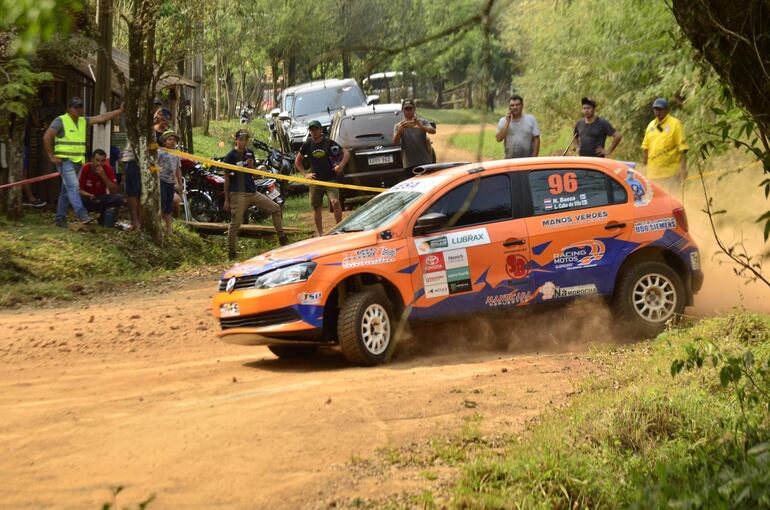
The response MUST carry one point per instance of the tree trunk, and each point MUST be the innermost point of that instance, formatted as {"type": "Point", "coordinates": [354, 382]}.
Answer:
{"type": "Point", "coordinates": [206, 113]}
{"type": "Point", "coordinates": [11, 156]}
{"type": "Point", "coordinates": [274, 76]}
{"type": "Point", "coordinates": [346, 64]}
{"type": "Point", "coordinates": [291, 71]}
{"type": "Point", "coordinates": [216, 87]}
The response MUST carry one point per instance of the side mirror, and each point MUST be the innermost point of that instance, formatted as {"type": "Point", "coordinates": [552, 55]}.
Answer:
{"type": "Point", "coordinates": [373, 99]}
{"type": "Point", "coordinates": [284, 116]}
{"type": "Point", "coordinates": [428, 222]}
{"type": "Point", "coordinates": [274, 112]}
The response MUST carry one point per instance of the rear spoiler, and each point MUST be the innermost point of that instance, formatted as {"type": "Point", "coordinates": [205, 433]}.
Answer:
{"type": "Point", "coordinates": [436, 167]}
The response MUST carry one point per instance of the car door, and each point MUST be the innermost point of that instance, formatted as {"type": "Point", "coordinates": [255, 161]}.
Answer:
{"type": "Point", "coordinates": [478, 259]}
{"type": "Point", "coordinates": [579, 225]}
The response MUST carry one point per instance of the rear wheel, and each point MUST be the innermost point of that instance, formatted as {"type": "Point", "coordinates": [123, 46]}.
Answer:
{"type": "Point", "coordinates": [366, 328]}
{"type": "Point", "coordinates": [293, 351]}
{"type": "Point", "coordinates": [649, 295]}
{"type": "Point", "coordinates": [202, 208]}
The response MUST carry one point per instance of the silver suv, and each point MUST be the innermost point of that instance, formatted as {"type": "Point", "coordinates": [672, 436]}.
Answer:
{"type": "Point", "coordinates": [313, 101]}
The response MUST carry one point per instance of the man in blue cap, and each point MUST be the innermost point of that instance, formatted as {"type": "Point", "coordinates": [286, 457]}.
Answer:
{"type": "Point", "coordinates": [665, 148]}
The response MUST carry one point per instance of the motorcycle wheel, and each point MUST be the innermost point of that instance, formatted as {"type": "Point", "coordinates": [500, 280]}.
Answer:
{"type": "Point", "coordinates": [202, 209]}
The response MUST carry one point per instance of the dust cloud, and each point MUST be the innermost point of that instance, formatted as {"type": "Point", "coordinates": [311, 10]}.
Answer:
{"type": "Point", "coordinates": [569, 328]}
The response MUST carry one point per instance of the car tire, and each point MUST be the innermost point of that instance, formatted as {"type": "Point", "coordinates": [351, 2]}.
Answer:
{"type": "Point", "coordinates": [366, 328]}
{"type": "Point", "coordinates": [649, 294]}
{"type": "Point", "coordinates": [293, 351]}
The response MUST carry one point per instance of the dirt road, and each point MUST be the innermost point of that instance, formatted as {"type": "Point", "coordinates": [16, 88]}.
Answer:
{"type": "Point", "coordinates": [135, 391]}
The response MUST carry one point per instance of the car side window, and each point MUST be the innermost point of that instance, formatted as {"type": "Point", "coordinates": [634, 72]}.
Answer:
{"type": "Point", "coordinates": [619, 195]}
{"type": "Point", "coordinates": [478, 201]}
{"type": "Point", "coordinates": [567, 189]}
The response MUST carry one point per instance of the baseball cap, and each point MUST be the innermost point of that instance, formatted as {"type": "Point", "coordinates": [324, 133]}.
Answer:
{"type": "Point", "coordinates": [588, 101]}
{"type": "Point", "coordinates": [241, 133]}
{"type": "Point", "coordinates": [75, 102]}
{"type": "Point", "coordinates": [661, 102]}
{"type": "Point", "coordinates": [407, 103]}
{"type": "Point", "coordinates": [314, 124]}
{"type": "Point", "coordinates": [167, 134]}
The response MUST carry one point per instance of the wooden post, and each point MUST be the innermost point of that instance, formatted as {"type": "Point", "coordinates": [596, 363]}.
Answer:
{"type": "Point", "coordinates": [103, 87]}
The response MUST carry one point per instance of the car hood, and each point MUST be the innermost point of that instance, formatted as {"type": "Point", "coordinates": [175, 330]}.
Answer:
{"type": "Point", "coordinates": [303, 251]}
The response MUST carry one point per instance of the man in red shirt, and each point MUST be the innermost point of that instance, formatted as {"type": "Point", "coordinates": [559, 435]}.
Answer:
{"type": "Point", "coordinates": [99, 189]}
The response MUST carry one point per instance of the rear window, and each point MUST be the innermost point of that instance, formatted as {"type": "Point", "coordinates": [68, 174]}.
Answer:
{"type": "Point", "coordinates": [561, 190]}
{"type": "Point", "coordinates": [372, 129]}
{"type": "Point", "coordinates": [330, 100]}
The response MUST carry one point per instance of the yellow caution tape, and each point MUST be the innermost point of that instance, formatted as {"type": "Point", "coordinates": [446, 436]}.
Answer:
{"type": "Point", "coordinates": [261, 173]}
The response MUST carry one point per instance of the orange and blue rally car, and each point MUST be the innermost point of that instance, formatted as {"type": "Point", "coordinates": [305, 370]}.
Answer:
{"type": "Point", "coordinates": [466, 239]}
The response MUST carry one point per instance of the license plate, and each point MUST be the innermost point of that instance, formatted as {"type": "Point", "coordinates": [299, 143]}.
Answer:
{"type": "Point", "coordinates": [381, 160]}
{"type": "Point", "coordinates": [229, 310]}
{"type": "Point", "coordinates": [273, 194]}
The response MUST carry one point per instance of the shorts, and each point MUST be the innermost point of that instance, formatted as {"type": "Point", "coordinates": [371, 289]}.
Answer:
{"type": "Point", "coordinates": [166, 197]}
{"type": "Point", "coordinates": [133, 179]}
{"type": "Point", "coordinates": [317, 195]}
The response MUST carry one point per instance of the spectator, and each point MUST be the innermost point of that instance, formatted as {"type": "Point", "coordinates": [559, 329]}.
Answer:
{"type": "Point", "coordinates": [322, 153]}
{"type": "Point", "coordinates": [69, 153]}
{"type": "Point", "coordinates": [99, 188]}
{"type": "Point", "coordinates": [241, 193]}
{"type": "Point", "coordinates": [519, 130]}
{"type": "Point", "coordinates": [665, 148]}
{"type": "Point", "coordinates": [132, 182]}
{"type": "Point", "coordinates": [160, 126]}
{"type": "Point", "coordinates": [591, 132]}
{"type": "Point", "coordinates": [412, 134]}
{"type": "Point", "coordinates": [170, 178]}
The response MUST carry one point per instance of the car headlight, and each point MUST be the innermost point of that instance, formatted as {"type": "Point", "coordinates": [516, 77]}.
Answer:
{"type": "Point", "coordinates": [285, 275]}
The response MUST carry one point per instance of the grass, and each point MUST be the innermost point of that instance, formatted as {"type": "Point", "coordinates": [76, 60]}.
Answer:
{"type": "Point", "coordinates": [459, 116]}
{"type": "Point", "coordinates": [636, 438]}
{"type": "Point", "coordinates": [221, 136]}
{"type": "Point", "coordinates": [552, 144]}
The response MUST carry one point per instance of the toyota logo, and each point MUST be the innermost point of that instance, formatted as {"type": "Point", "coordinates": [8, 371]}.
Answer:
{"type": "Point", "coordinates": [432, 260]}
{"type": "Point", "coordinates": [230, 284]}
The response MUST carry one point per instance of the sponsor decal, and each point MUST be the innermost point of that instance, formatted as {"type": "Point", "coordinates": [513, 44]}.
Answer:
{"type": "Point", "coordinates": [695, 260]}
{"type": "Point", "coordinates": [422, 185]}
{"type": "Point", "coordinates": [575, 219]}
{"type": "Point", "coordinates": [229, 310]}
{"type": "Point", "coordinates": [456, 258]}
{"type": "Point", "coordinates": [432, 263]}
{"type": "Point", "coordinates": [579, 255]}
{"type": "Point", "coordinates": [432, 279]}
{"type": "Point", "coordinates": [455, 240]}
{"type": "Point", "coordinates": [458, 274]}
{"type": "Point", "coordinates": [516, 266]}
{"type": "Point", "coordinates": [368, 257]}
{"type": "Point", "coordinates": [549, 290]}
{"type": "Point", "coordinates": [640, 186]}
{"type": "Point", "coordinates": [643, 227]}
{"type": "Point", "coordinates": [435, 291]}
{"type": "Point", "coordinates": [460, 286]}
{"type": "Point", "coordinates": [515, 297]}
{"type": "Point", "coordinates": [309, 298]}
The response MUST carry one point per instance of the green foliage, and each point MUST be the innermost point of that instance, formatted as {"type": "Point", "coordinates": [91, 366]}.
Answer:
{"type": "Point", "coordinates": [17, 82]}
{"type": "Point", "coordinates": [632, 439]}
{"type": "Point", "coordinates": [36, 21]}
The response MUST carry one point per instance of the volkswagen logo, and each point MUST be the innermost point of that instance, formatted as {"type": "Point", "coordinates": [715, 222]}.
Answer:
{"type": "Point", "coordinates": [230, 284]}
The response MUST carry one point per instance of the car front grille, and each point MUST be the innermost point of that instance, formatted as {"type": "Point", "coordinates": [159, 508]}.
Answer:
{"type": "Point", "coordinates": [241, 282]}
{"type": "Point", "coordinates": [259, 320]}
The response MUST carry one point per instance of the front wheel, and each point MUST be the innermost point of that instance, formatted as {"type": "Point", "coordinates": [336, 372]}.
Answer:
{"type": "Point", "coordinates": [649, 295]}
{"type": "Point", "coordinates": [366, 328]}
{"type": "Point", "coordinates": [202, 208]}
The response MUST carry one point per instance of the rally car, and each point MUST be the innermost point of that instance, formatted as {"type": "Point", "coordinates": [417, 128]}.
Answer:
{"type": "Point", "coordinates": [463, 240]}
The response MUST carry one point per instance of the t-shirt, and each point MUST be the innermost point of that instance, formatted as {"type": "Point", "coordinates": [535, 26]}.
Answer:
{"type": "Point", "coordinates": [320, 156]}
{"type": "Point", "coordinates": [240, 181]}
{"type": "Point", "coordinates": [58, 126]}
{"type": "Point", "coordinates": [414, 145]}
{"type": "Point", "coordinates": [168, 164]}
{"type": "Point", "coordinates": [518, 140]}
{"type": "Point", "coordinates": [664, 143]}
{"type": "Point", "coordinates": [593, 135]}
{"type": "Point", "coordinates": [91, 182]}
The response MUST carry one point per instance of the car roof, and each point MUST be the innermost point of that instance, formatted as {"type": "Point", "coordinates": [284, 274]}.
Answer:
{"type": "Point", "coordinates": [325, 84]}
{"type": "Point", "coordinates": [518, 164]}
{"type": "Point", "coordinates": [371, 110]}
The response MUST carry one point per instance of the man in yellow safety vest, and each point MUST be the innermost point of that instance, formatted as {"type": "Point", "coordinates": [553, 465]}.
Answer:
{"type": "Point", "coordinates": [65, 144]}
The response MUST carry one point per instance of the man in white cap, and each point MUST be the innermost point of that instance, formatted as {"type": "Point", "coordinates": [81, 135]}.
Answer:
{"type": "Point", "coordinates": [665, 148]}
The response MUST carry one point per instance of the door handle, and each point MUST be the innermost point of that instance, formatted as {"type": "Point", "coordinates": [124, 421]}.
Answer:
{"type": "Point", "coordinates": [614, 224]}
{"type": "Point", "coordinates": [513, 242]}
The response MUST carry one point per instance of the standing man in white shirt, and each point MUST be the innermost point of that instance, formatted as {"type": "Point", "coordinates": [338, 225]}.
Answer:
{"type": "Point", "coordinates": [518, 131]}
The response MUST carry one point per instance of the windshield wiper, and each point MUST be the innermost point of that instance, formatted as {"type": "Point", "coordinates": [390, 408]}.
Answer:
{"type": "Point", "coordinates": [351, 229]}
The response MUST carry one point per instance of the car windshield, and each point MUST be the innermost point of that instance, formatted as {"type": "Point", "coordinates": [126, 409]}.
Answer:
{"type": "Point", "coordinates": [332, 99]}
{"type": "Point", "coordinates": [377, 212]}
{"type": "Point", "coordinates": [287, 102]}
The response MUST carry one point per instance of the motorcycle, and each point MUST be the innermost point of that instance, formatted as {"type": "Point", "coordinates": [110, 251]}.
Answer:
{"type": "Point", "coordinates": [283, 164]}
{"type": "Point", "coordinates": [205, 193]}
